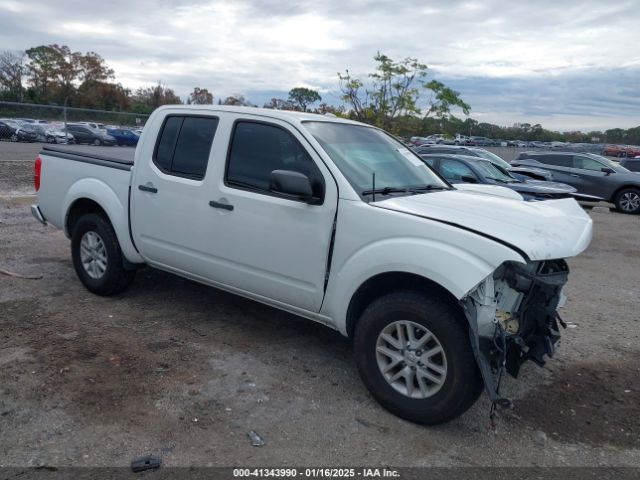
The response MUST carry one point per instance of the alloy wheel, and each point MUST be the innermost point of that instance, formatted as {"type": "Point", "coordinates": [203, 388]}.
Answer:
{"type": "Point", "coordinates": [411, 359]}
{"type": "Point", "coordinates": [93, 255]}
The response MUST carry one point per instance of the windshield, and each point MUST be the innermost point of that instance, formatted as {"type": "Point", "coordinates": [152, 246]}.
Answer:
{"type": "Point", "coordinates": [493, 158]}
{"type": "Point", "coordinates": [360, 151]}
{"type": "Point", "coordinates": [493, 172]}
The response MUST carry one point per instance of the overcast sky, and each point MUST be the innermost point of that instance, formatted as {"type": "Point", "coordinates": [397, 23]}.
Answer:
{"type": "Point", "coordinates": [565, 64]}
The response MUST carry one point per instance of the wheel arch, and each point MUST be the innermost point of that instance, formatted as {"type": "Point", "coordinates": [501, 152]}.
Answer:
{"type": "Point", "coordinates": [388, 282]}
{"type": "Point", "coordinates": [623, 187]}
{"type": "Point", "coordinates": [95, 196]}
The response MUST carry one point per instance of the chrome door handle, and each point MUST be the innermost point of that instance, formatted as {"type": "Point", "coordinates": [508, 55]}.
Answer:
{"type": "Point", "coordinates": [574, 175]}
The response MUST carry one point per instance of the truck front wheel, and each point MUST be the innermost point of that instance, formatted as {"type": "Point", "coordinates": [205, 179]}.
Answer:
{"type": "Point", "coordinates": [97, 257]}
{"type": "Point", "coordinates": [414, 355]}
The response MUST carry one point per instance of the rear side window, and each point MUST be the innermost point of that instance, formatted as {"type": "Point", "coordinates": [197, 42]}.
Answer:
{"type": "Point", "coordinates": [184, 145]}
{"type": "Point", "coordinates": [557, 160]}
{"type": "Point", "coordinates": [258, 149]}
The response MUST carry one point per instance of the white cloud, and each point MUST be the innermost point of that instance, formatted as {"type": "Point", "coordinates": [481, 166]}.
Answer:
{"type": "Point", "coordinates": [245, 46]}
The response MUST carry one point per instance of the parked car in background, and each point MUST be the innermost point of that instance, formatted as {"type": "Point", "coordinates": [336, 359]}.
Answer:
{"type": "Point", "coordinates": [41, 132]}
{"type": "Point", "coordinates": [8, 130]}
{"type": "Point", "coordinates": [521, 173]}
{"type": "Point", "coordinates": [124, 136]}
{"type": "Point", "coordinates": [460, 139]}
{"type": "Point", "coordinates": [57, 135]}
{"type": "Point", "coordinates": [25, 133]}
{"type": "Point", "coordinates": [631, 164]}
{"type": "Point", "coordinates": [631, 151]}
{"type": "Point", "coordinates": [613, 151]}
{"type": "Point", "coordinates": [591, 174]}
{"type": "Point", "coordinates": [84, 134]}
{"type": "Point", "coordinates": [480, 141]}
{"type": "Point", "coordinates": [465, 169]}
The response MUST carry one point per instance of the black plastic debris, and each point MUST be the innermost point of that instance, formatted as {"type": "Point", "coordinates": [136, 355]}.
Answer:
{"type": "Point", "coordinates": [145, 463]}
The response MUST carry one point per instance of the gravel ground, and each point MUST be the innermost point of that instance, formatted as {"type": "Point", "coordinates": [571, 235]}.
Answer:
{"type": "Point", "coordinates": [185, 371]}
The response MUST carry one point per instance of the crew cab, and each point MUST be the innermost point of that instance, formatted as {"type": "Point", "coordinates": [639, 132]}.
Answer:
{"type": "Point", "coordinates": [441, 288]}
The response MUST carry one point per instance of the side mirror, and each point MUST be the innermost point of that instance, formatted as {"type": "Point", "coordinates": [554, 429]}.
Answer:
{"type": "Point", "coordinates": [607, 170]}
{"type": "Point", "coordinates": [294, 184]}
{"type": "Point", "coordinates": [468, 179]}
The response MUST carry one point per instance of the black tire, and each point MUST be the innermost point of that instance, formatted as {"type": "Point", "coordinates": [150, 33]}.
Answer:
{"type": "Point", "coordinates": [462, 384]}
{"type": "Point", "coordinates": [628, 201]}
{"type": "Point", "coordinates": [97, 142]}
{"type": "Point", "coordinates": [115, 278]}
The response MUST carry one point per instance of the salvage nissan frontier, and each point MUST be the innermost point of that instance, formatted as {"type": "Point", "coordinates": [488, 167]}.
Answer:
{"type": "Point", "coordinates": [442, 289]}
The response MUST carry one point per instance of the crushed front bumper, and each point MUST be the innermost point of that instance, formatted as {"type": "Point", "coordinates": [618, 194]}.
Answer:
{"type": "Point", "coordinates": [513, 318]}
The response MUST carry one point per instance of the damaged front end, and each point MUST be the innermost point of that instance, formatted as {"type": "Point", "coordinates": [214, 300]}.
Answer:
{"type": "Point", "coordinates": [512, 317]}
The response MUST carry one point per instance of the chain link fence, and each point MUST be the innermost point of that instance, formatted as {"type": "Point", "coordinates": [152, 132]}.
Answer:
{"type": "Point", "coordinates": [60, 114]}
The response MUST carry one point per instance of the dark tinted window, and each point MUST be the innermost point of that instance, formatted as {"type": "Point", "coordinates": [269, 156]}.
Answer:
{"type": "Point", "coordinates": [430, 160]}
{"type": "Point", "coordinates": [258, 149]}
{"type": "Point", "coordinates": [167, 143]}
{"type": "Point", "coordinates": [184, 145]}
{"type": "Point", "coordinates": [454, 170]}
{"type": "Point", "coordinates": [632, 165]}
{"type": "Point", "coordinates": [194, 144]}
{"type": "Point", "coordinates": [557, 160]}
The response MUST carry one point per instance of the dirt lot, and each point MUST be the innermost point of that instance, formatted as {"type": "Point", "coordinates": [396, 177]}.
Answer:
{"type": "Point", "coordinates": [185, 371]}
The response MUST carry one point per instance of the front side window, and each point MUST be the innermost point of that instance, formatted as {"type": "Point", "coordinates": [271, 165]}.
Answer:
{"type": "Point", "coordinates": [257, 149]}
{"type": "Point", "coordinates": [184, 145]}
{"type": "Point", "coordinates": [586, 163]}
{"type": "Point", "coordinates": [360, 151]}
{"type": "Point", "coordinates": [454, 170]}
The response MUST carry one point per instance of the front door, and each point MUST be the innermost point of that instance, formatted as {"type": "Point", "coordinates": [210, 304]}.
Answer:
{"type": "Point", "coordinates": [267, 244]}
{"type": "Point", "coordinates": [591, 178]}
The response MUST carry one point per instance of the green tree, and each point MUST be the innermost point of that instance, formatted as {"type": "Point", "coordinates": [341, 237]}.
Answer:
{"type": "Point", "coordinates": [394, 93]}
{"type": "Point", "coordinates": [303, 97]}
{"type": "Point", "coordinates": [12, 69]}
{"type": "Point", "coordinates": [147, 99]}
{"type": "Point", "coordinates": [279, 104]}
{"type": "Point", "coordinates": [200, 96]}
{"type": "Point", "coordinates": [236, 100]}
{"type": "Point", "coordinates": [443, 99]}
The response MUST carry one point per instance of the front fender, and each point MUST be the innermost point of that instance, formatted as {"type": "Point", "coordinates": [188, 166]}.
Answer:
{"type": "Point", "coordinates": [102, 194]}
{"type": "Point", "coordinates": [455, 269]}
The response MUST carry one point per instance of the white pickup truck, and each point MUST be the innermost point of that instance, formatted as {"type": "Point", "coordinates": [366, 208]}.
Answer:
{"type": "Point", "coordinates": [442, 289]}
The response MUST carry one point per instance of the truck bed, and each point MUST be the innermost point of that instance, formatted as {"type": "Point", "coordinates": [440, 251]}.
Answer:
{"type": "Point", "coordinates": [123, 161]}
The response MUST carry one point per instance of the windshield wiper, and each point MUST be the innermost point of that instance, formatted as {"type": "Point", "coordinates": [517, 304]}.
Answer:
{"type": "Point", "coordinates": [409, 189]}
{"type": "Point", "coordinates": [386, 190]}
{"type": "Point", "coordinates": [497, 179]}
{"type": "Point", "coordinates": [422, 188]}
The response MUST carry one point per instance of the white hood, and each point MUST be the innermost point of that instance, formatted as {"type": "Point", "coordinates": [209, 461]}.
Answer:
{"type": "Point", "coordinates": [543, 230]}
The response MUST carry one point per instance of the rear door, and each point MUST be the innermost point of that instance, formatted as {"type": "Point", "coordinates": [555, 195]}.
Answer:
{"type": "Point", "coordinates": [171, 219]}
{"type": "Point", "coordinates": [561, 166]}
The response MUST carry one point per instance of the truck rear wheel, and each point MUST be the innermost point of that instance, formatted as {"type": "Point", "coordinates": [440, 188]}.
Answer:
{"type": "Point", "coordinates": [97, 257]}
{"type": "Point", "coordinates": [414, 355]}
